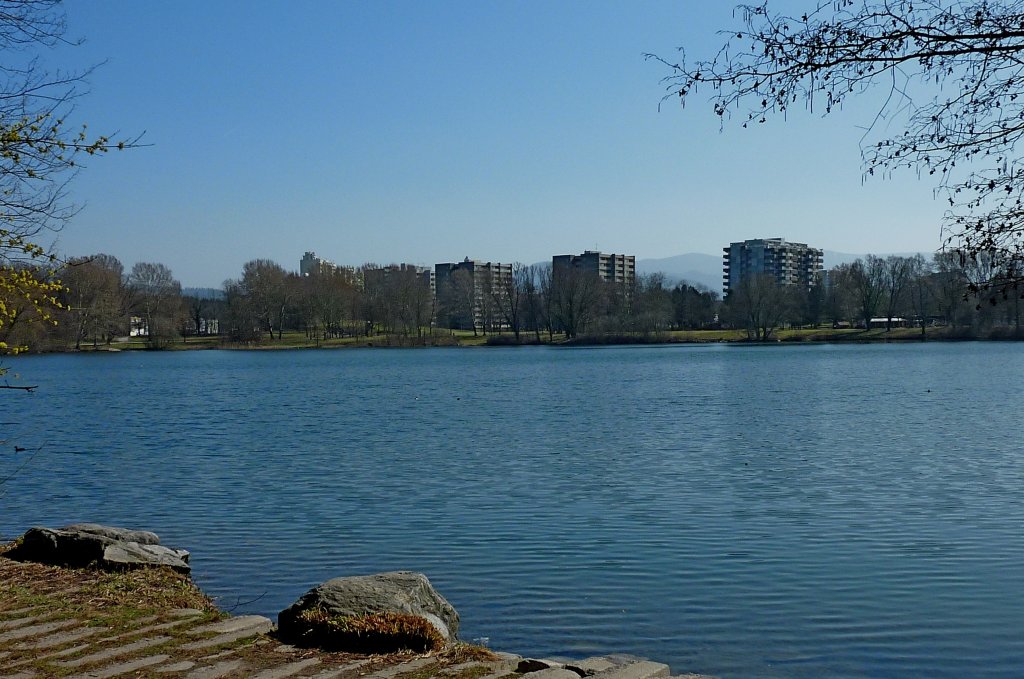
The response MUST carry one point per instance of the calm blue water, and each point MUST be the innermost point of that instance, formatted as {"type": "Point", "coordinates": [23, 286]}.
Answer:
{"type": "Point", "coordinates": [791, 511]}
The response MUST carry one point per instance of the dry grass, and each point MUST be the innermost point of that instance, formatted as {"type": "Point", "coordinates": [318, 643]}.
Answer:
{"type": "Point", "coordinates": [376, 633]}
{"type": "Point", "coordinates": [119, 600]}
{"type": "Point", "coordinates": [144, 589]}
{"type": "Point", "coordinates": [459, 653]}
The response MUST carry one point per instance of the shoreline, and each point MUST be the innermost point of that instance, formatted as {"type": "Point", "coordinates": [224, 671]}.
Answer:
{"type": "Point", "coordinates": [803, 336]}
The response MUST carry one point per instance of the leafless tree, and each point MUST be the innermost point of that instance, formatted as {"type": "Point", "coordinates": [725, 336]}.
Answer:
{"type": "Point", "coordinates": [810, 301]}
{"type": "Point", "coordinates": [412, 302]}
{"type": "Point", "coordinates": [650, 304]}
{"type": "Point", "coordinates": [264, 285]}
{"type": "Point", "coordinates": [760, 305]}
{"type": "Point", "coordinates": [576, 297]}
{"type": "Point", "coordinates": [95, 298]}
{"type": "Point", "coordinates": [948, 284]}
{"type": "Point", "coordinates": [458, 300]}
{"type": "Point", "coordinates": [546, 294]}
{"type": "Point", "coordinates": [920, 291]}
{"type": "Point", "coordinates": [327, 300]}
{"type": "Point", "coordinates": [533, 303]}
{"type": "Point", "coordinates": [156, 297]}
{"type": "Point", "coordinates": [896, 273]}
{"type": "Point", "coordinates": [511, 296]}
{"type": "Point", "coordinates": [484, 299]}
{"type": "Point", "coordinates": [866, 278]}
{"type": "Point", "coordinates": [839, 304]}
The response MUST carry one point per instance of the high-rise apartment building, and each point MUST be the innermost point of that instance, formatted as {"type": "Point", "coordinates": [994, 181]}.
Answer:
{"type": "Point", "coordinates": [788, 263]}
{"type": "Point", "coordinates": [611, 268]}
{"type": "Point", "coordinates": [457, 282]}
{"type": "Point", "coordinates": [381, 275]}
{"type": "Point", "coordinates": [311, 265]}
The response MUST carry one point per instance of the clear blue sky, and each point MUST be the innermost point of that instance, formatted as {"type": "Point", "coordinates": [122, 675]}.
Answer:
{"type": "Point", "coordinates": [425, 132]}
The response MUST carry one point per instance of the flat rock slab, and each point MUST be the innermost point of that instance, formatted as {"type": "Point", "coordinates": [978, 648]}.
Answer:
{"type": "Point", "coordinates": [589, 666]}
{"type": "Point", "coordinates": [61, 638]}
{"type": "Point", "coordinates": [164, 625]}
{"type": "Point", "coordinates": [143, 537]}
{"type": "Point", "coordinates": [185, 613]}
{"type": "Point", "coordinates": [499, 668]}
{"type": "Point", "coordinates": [503, 672]}
{"type": "Point", "coordinates": [133, 555]}
{"type": "Point", "coordinates": [182, 666]}
{"type": "Point", "coordinates": [106, 546]}
{"type": "Point", "coordinates": [236, 624]}
{"type": "Point", "coordinates": [529, 665]}
{"type": "Point", "coordinates": [36, 630]}
{"type": "Point", "coordinates": [17, 611]}
{"type": "Point", "coordinates": [554, 673]}
{"type": "Point", "coordinates": [288, 670]}
{"type": "Point", "coordinates": [221, 669]}
{"type": "Point", "coordinates": [645, 669]}
{"type": "Point", "coordinates": [108, 653]}
{"type": "Point", "coordinates": [19, 622]}
{"type": "Point", "coordinates": [64, 652]}
{"type": "Point", "coordinates": [248, 626]}
{"type": "Point", "coordinates": [123, 668]}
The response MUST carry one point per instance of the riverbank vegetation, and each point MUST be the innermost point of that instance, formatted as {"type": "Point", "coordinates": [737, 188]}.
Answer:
{"type": "Point", "coordinates": [872, 299]}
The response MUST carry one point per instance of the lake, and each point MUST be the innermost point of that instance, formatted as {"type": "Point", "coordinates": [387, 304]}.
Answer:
{"type": "Point", "coordinates": [782, 511]}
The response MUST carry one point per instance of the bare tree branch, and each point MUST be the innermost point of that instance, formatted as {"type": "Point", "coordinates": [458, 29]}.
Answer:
{"type": "Point", "coordinates": [955, 75]}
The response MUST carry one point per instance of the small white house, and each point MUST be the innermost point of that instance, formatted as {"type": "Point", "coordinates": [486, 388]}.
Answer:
{"type": "Point", "coordinates": [138, 327]}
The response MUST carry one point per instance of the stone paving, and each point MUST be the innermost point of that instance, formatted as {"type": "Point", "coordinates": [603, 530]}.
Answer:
{"type": "Point", "coordinates": [238, 647]}
{"type": "Point", "coordinates": [43, 635]}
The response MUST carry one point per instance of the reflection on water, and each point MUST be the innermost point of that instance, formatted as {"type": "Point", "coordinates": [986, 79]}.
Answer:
{"type": "Point", "coordinates": [740, 511]}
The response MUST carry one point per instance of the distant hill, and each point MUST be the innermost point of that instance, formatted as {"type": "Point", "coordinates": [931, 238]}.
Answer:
{"type": "Point", "coordinates": [203, 293]}
{"type": "Point", "coordinates": [694, 267]}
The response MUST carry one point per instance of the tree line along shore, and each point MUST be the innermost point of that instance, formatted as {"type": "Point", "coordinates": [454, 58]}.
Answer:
{"type": "Point", "coordinates": [101, 306]}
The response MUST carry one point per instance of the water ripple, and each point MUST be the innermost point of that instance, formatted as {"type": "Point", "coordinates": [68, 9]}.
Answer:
{"type": "Point", "coordinates": [739, 511]}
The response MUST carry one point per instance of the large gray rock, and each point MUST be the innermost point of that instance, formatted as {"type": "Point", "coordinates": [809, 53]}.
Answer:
{"type": "Point", "coordinates": [378, 613]}
{"type": "Point", "coordinates": [108, 547]}
{"type": "Point", "coordinates": [143, 537]}
{"type": "Point", "coordinates": [134, 555]}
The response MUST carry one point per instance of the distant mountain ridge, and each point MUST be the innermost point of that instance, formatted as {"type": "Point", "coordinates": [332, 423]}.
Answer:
{"type": "Point", "coordinates": [694, 267]}
{"type": "Point", "coordinates": [203, 293]}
